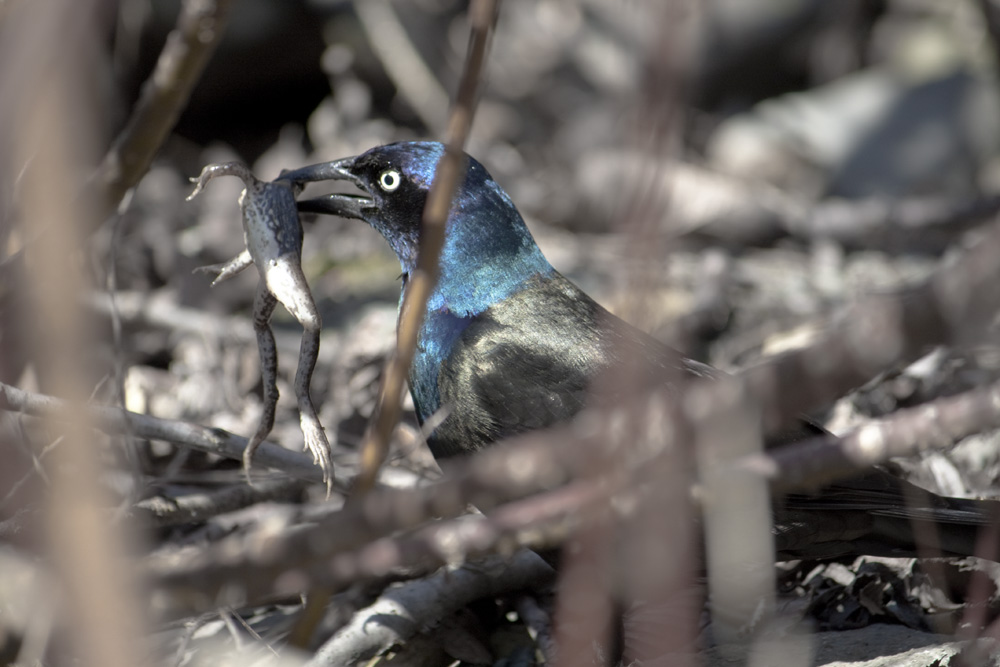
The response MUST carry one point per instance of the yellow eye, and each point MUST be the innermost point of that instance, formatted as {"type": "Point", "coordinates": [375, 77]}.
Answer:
{"type": "Point", "coordinates": [389, 180]}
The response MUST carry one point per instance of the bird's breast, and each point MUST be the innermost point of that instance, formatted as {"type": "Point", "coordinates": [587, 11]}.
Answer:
{"type": "Point", "coordinates": [440, 331]}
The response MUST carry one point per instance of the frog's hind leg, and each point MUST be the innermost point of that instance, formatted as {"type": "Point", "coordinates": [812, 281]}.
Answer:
{"type": "Point", "coordinates": [316, 442]}
{"type": "Point", "coordinates": [263, 307]}
{"type": "Point", "coordinates": [287, 283]}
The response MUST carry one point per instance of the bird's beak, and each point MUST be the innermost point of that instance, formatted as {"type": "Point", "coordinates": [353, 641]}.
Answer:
{"type": "Point", "coordinates": [343, 205]}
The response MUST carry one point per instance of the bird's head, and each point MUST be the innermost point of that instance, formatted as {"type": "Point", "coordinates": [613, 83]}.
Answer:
{"type": "Point", "coordinates": [488, 251]}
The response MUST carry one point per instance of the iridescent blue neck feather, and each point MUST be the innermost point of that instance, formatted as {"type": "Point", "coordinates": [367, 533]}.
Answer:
{"type": "Point", "coordinates": [488, 251]}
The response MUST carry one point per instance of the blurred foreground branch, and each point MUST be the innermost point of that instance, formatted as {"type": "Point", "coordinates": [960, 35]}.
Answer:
{"type": "Point", "coordinates": [935, 425]}
{"type": "Point", "coordinates": [420, 283]}
{"type": "Point", "coordinates": [956, 305]}
{"type": "Point", "coordinates": [424, 602]}
{"type": "Point", "coordinates": [98, 619]}
{"type": "Point", "coordinates": [355, 544]}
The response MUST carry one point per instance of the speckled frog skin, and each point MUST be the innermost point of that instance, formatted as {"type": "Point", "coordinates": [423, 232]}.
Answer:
{"type": "Point", "coordinates": [273, 236]}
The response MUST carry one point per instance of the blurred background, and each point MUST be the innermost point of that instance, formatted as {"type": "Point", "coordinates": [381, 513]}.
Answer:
{"type": "Point", "coordinates": [722, 173]}
{"type": "Point", "coordinates": [799, 145]}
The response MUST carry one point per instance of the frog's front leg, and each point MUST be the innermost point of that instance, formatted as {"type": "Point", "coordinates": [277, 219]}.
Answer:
{"type": "Point", "coordinates": [243, 260]}
{"type": "Point", "coordinates": [263, 307]}
{"type": "Point", "coordinates": [229, 269]}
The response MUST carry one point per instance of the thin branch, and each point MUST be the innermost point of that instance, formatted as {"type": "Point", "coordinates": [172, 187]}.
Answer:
{"type": "Point", "coordinates": [353, 545]}
{"type": "Point", "coordinates": [935, 425]}
{"type": "Point", "coordinates": [420, 284]}
{"type": "Point", "coordinates": [164, 96]}
{"type": "Point", "coordinates": [212, 440]}
{"type": "Point", "coordinates": [189, 47]}
{"type": "Point", "coordinates": [196, 507]}
{"type": "Point", "coordinates": [539, 522]}
{"type": "Point", "coordinates": [402, 62]}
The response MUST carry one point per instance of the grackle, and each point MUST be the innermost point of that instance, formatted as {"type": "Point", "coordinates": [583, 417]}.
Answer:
{"type": "Point", "coordinates": [509, 345]}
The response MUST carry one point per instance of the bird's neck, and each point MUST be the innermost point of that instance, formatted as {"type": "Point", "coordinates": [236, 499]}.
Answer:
{"type": "Point", "coordinates": [483, 261]}
{"type": "Point", "coordinates": [488, 254]}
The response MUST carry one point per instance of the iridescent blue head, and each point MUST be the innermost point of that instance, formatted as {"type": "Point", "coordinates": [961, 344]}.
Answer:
{"type": "Point", "coordinates": [488, 251]}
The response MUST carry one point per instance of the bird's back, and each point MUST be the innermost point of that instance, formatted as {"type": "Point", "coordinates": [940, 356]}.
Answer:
{"type": "Point", "coordinates": [539, 356]}
{"type": "Point", "coordinates": [535, 358]}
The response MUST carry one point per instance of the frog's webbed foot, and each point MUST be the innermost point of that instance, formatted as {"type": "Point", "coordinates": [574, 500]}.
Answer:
{"type": "Point", "coordinates": [317, 444]}
{"type": "Point", "coordinates": [312, 430]}
{"type": "Point", "coordinates": [229, 269]}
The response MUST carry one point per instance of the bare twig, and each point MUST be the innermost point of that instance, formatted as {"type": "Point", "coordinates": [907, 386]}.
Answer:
{"type": "Point", "coordinates": [189, 46]}
{"type": "Point", "coordinates": [420, 284]}
{"type": "Point", "coordinates": [539, 522]}
{"type": "Point", "coordinates": [36, 470]}
{"type": "Point", "coordinates": [403, 63]}
{"type": "Point", "coordinates": [352, 545]}
{"type": "Point", "coordinates": [736, 511]}
{"type": "Point", "coordinates": [935, 425]}
{"type": "Point", "coordinates": [98, 598]}
{"type": "Point", "coordinates": [212, 440]}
